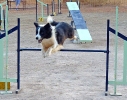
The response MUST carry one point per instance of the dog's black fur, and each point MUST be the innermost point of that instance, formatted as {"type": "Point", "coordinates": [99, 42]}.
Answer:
{"type": "Point", "coordinates": [63, 31]}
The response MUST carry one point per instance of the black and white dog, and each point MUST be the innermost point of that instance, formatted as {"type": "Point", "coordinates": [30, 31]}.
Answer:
{"type": "Point", "coordinates": [52, 35]}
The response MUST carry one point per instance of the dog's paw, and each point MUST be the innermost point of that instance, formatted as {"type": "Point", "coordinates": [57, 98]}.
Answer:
{"type": "Point", "coordinates": [45, 55]}
{"type": "Point", "coordinates": [76, 41]}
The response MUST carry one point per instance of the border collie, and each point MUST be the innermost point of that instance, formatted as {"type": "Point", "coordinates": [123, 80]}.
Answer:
{"type": "Point", "coordinates": [52, 35]}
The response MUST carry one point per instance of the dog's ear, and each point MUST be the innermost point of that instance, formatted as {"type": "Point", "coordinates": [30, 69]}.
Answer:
{"type": "Point", "coordinates": [47, 26]}
{"type": "Point", "coordinates": [36, 24]}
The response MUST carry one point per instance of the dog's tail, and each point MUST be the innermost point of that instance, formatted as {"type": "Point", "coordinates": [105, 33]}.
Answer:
{"type": "Point", "coordinates": [51, 21]}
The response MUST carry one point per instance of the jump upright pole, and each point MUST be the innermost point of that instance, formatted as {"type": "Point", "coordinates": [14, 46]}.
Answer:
{"type": "Point", "coordinates": [18, 58]}
{"type": "Point", "coordinates": [59, 7]}
{"type": "Point", "coordinates": [107, 60]}
{"type": "Point", "coordinates": [53, 8]}
{"type": "Point", "coordinates": [116, 49]}
{"type": "Point", "coordinates": [2, 16]}
{"type": "Point", "coordinates": [6, 70]}
{"type": "Point", "coordinates": [36, 10]}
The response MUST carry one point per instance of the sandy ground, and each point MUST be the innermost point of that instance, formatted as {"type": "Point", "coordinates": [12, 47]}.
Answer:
{"type": "Point", "coordinates": [66, 75]}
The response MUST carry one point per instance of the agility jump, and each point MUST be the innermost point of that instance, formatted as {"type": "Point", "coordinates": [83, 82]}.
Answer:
{"type": "Point", "coordinates": [46, 6]}
{"type": "Point", "coordinates": [116, 82]}
{"type": "Point", "coordinates": [53, 7]}
{"type": "Point", "coordinates": [5, 80]}
{"type": "Point", "coordinates": [41, 18]}
{"type": "Point", "coordinates": [17, 80]}
{"type": "Point", "coordinates": [80, 24]}
{"type": "Point", "coordinates": [106, 51]}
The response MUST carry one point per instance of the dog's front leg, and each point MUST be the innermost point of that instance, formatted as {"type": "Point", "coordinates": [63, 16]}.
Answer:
{"type": "Point", "coordinates": [48, 52]}
{"type": "Point", "coordinates": [44, 49]}
{"type": "Point", "coordinates": [43, 52]}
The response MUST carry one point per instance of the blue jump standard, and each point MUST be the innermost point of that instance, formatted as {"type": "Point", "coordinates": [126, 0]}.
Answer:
{"type": "Point", "coordinates": [79, 22]}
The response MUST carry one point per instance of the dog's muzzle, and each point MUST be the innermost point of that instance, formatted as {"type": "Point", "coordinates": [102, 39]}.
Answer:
{"type": "Point", "coordinates": [36, 38]}
{"type": "Point", "coordinates": [39, 40]}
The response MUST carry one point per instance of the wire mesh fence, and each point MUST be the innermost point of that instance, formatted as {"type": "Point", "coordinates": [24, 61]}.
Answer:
{"type": "Point", "coordinates": [32, 3]}
{"type": "Point", "coordinates": [101, 2]}
{"type": "Point", "coordinates": [107, 2]}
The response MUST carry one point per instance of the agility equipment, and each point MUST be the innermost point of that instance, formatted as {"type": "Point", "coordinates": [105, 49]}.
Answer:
{"type": "Point", "coordinates": [41, 18]}
{"type": "Point", "coordinates": [2, 16]}
{"type": "Point", "coordinates": [78, 3]}
{"type": "Point", "coordinates": [53, 8]}
{"type": "Point", "coordinates": [106, 50]}
{"type": "Point", "coordinates": [59, 7]}
{"type": "Point", "coordinates": [80, 24]}
{"type": "Point", "coordinates": [5, 80]}
{"type": "Point", "coordinates": [53, 13]}
{"type": "Point", "coordinates": [3, 70]}
{"type": "Point", "coordinates": [116, 82]}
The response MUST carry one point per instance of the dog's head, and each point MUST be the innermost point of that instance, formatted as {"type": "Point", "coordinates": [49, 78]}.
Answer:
{"type": "Point", "coordinates": [42, 32]}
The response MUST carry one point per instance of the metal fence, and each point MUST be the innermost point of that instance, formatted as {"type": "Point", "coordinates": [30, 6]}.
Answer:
{"type": "Point", "coordinates": [101, 2]}
{"type": "Point", "coordinates": [104, 2]}
{"type": "Point", "coordinates": [32, 3]}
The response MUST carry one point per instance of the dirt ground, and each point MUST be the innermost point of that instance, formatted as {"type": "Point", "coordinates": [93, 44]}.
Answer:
{"type": "Point", "coordinates": [66, 75]}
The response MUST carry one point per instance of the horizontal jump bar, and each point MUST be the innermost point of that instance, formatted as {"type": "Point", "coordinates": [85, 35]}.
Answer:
{"type": "Point", "coordinates": [9, 32]}
{"type": "Point", "coordinates": [119, 34]}
{"type": "Point", "coordinates": [72, 50]}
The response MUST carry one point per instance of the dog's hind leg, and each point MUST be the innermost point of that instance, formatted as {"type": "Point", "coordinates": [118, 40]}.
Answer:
{"type": "Point", "coordinates": [75, 39]}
